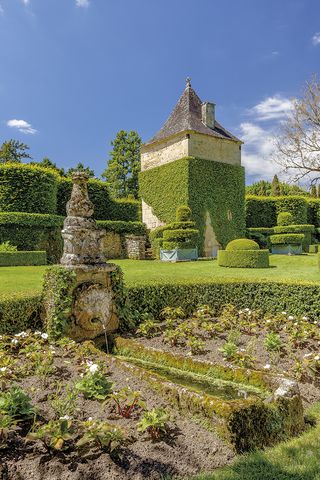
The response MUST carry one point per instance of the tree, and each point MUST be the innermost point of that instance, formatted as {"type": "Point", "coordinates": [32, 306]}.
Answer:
{"type": "Point", "coordinates": [275, 187]}
{"type": "Point", "coordinates": [47, 163]}
{"type": "Point", "coordinates": [80, 166]}
{"type": "Point", "coordinates": [123, 167]}
{"type": "Point", "coordinates": [313, 190]}
{"type": "Point", "coordinates": [261, 188]}
{"type": "Point", "coordinates": [318, 190]}
{"type": "Point", "coordinates": [264, 188]}
{"type": "Point", "coordinates": [298, 145]}
{"type": "Point", "coordinates": [13, 151]}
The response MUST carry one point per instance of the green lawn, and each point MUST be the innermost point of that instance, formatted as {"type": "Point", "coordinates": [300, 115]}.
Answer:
{"type": "Point", "coordinates": [296, 268]}
{"type": "Point", "coordinates": [297, 459]}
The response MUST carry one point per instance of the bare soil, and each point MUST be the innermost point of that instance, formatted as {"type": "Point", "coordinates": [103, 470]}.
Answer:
{"type": "Point", "coordinates": [187, 449]}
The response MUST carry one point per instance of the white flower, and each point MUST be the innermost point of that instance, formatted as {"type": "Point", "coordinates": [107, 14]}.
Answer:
{"type": "Point", "coordinates": [90, 419]}
{"type": "Point", "coordinates": [268, 321]}
{"type": "Point", "coordinates": [44, 336]}
{"type": "Point", "coordinates": [315, 322]}
{"type": "Point", "coordinates": [295, 323]}
{"type": "Point", "coordinates": [267, 366]}
{"type": "Point", "coordinates": [317, 358]}
{"type": "Point", "coordinates": [3, 369]}
{"type": "Point", "coordinates": [307, 355]}
{"type": "Point", "coordinates": [284, 313]}
{"type": "Point", "coordinates": [14, 341]}
{"type": "Point", "coordinates": [93, 368]}
{"type": "Point", "coordinates": [247, 309]}
{"type": "Point", "coordinates": [304, 318]}
{"type": "Point", "coordinates": [65, 417]}
{"type": "Point", "coordinates": [290, 317]}
{"type": "Point", "coordinates": [21, 334]}
{"type": "Point", "coordinates": [37, 333]}
{"type": "Point", "coordinates": [240, 312]}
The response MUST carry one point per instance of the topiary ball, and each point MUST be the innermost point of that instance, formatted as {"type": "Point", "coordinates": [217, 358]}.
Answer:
{"type": "Point", "coordinates": [284, 219]}
{"type": "Point", "coordinates": [183, 213]}
{"type": "Point", "coordinates": [242, 244]}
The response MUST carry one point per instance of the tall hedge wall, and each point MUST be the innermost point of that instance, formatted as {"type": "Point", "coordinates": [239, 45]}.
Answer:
{"type": "Point", "coordinates": [27, 188]}
{"type": "Point", "coordinates": [204, 186]}
{"type": "Point", "coordinates": [105, 208]}
{"type": "Point", "coordinates": [33, 231]}
{"type": "Point", "coordinates": [33, 189]}
{"type": "Point", "coordinates": [263, 211]}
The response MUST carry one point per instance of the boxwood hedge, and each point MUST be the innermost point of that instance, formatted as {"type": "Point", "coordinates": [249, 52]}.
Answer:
{"type": "Point", "coordinates": [243, 258]}
{"type": "Point", "coordinates": [18, 312]}
{"type": "Point", "coordinates": [263, 211]}
{"type": "Point", "coordinates": [287, 239]}
{"type": "Point", "coordinates": [27, 188]}
{"type": "Point", "coordinates": [10, 259]}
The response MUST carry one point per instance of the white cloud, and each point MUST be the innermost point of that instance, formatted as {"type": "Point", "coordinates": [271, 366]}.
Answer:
{"type": "Point", "coordinates": [25, 2]}
{"type": "Point", "coordinates": [316, 38]}
{"type": "Point", "coordinates": [272, 108]}
{"type": "Point", "coordinates": [257, 151]}
{"type": "Point", "coordinates": [22, 126]}
{"type": "Point", "coordinates": [1, 10]}
{"type": "Point", "coordinates": [82, 3]}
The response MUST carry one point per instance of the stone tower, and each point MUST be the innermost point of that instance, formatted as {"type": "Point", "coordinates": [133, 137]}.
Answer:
{"type": "Point", "coordinates": [193, 133]}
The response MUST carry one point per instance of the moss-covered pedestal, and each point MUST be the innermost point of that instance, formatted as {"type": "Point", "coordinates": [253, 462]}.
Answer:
{"type": "Point", "coordinates": [81, 295]}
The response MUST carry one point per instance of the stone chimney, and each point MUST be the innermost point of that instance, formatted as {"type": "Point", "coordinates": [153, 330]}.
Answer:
{"type": "Point", "coordinates": [208, 114]}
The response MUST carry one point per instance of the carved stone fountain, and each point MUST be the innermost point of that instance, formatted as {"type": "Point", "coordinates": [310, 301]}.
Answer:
{"type": "Point", "coordinates": [93, 308]}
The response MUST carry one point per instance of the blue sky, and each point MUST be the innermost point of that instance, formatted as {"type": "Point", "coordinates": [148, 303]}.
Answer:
{"type": "Point", "coordinates": [74, 72]}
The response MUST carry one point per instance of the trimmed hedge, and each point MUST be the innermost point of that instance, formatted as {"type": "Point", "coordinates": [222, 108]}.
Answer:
{"type": "Point", "coordinates": [287, 239]}
{"type": "Point", "coordinates": [33, 231]}
{"type": "Point", "coordinates": [284, 218]}
{"type": "Point", "coordinates": [207, 187]}
{"type": "Point", "coordinates": [19, 312]}
{"type": "Point", "coordinates": [294, 229]}
{"type": "Point", "coordinates": [10, 259]}
{"type": "Point", "coordinates": [314, 248]}
{"type": "Point", "coordinates": [105, 208]}
{"type": "Point", "coordinates": [242, 244]}
{"type": "Point", "coordinates": [117, 226]}
{"type": "Point", "coordinates": [243, 258]}
{"type": "Point", "coordinates": [189, 235]}
{"type": "Point", "coordinates": [27, 188]}
{"type": "Point", "coordinates": [263, 211]}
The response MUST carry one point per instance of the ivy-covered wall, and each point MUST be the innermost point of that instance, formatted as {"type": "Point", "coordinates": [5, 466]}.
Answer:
{"type": "Point", "coordinates": [203, 185]}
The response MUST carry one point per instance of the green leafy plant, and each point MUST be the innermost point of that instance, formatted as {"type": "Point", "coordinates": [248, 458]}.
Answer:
{"type": "Point", "coordinates": [155, 422]}
{"type": "Point", "coordinates": [7, 247]}
{"type": "Point", "coordinates": [229, 350]}
{"type": "Point", "coordinates": [16, 403]}
{"type": "Point", "coordinates": [273, 342]}
{"type": "Point", "coordinates": [105, 436]}
{"type": "Point", "coordinates": [171, 315]}
{"type": "Point", "coordinates": [63, 401]}
{"type": "Point", "coordinates": [54, 435]}
{"type": "Point", "coordinates": [127, 400]}
{"type": "Point", "coordinates": [149, 328]}
{"type": "Point", "coordinates": [174, 337]}
{"type": "Point", "coordinates": [196, 345]}
{"type": "Point", "coordinates": [94, 385]}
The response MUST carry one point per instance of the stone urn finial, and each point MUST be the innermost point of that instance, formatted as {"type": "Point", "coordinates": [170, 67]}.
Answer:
{"type": "Point", "coordinates": [82, 238]}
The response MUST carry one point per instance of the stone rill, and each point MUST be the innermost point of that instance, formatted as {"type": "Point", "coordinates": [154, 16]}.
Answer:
{"type": "Point", "coordinates": [93, 311]}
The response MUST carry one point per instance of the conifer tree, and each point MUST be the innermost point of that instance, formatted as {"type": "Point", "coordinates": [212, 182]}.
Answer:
{"type": "Point", "coordinates": [124, 165]}
{"type": "Point", "coordinates": [275, 187]}
{"type": "Point", "coordinates": [313, 190]}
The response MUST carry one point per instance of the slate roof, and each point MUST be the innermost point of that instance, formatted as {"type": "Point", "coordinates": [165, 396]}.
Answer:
{"type": "Point", "coordinates": [186, 116]}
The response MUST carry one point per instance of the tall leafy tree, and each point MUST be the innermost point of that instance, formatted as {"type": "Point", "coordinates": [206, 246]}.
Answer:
{"type": "Point", "coordinates": [275, 186]}
{"type": "Point", "coordinates": [123, 167]}
{"type": "Point", "coordinates": [13, 151]}
{"type": "Point", "coordinates": [80, 166]}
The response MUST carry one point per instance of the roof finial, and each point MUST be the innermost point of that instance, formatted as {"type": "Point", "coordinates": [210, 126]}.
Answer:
{"type": "Point", "coordinates": [188, 82]}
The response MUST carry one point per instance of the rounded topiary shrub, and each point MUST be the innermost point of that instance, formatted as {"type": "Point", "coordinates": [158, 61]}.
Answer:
{"type": "Point", "coordinates": [27, 188]}
{"type": "Point", "coordinates": [284, 219]}
{"type": "Point", "coordinates": [242, 244]}
{"type": "Point", "coordinates": [243, 258]}
{"type": "Point", "coordinates": [183, 213]}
